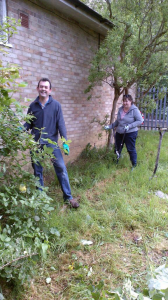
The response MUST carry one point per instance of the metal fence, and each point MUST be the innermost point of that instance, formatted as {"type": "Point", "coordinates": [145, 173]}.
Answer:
{"type": "Point", "coordinates": [157, 117]}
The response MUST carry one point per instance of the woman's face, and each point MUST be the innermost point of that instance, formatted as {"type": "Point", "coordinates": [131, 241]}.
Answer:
{"type": "Point", "coordinates": [126, 103]}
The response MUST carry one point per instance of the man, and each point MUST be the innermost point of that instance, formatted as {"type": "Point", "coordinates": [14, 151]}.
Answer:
{"type": "Point", "coordinates": [46, 123]}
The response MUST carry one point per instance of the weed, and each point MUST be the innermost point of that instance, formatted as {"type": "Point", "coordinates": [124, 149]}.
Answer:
{"type": "Point", "coordinates": [119, 213]}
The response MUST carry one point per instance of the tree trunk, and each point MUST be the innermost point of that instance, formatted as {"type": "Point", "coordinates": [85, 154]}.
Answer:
{"type": "Point", "coordinates": [114, 106]}
{"type": "Point", "coordinates": [126, 91]}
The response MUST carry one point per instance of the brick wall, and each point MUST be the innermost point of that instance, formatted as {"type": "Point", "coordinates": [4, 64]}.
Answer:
{"type": "Point", "coordinates": [59, 48]}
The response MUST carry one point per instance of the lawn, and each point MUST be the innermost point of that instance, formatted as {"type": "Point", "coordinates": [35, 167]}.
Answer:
{"type": "Point", "coordinates": [120, 216]}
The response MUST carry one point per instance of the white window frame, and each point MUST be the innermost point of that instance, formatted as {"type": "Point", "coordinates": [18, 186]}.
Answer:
{"type": "Point", "coordinates": [4, 15]}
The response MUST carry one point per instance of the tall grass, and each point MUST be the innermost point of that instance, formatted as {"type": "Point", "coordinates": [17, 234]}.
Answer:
{"type": "Point", "coordinates": [119, 212]}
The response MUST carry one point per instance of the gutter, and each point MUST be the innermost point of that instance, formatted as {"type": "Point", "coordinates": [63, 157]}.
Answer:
{"type": "Point", "coordinates": [93, 13]}
{"type": "Point", "coordinates": [81, 13]}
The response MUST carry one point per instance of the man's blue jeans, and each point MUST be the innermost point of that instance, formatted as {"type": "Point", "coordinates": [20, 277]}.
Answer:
{"type": "Point", "coordinates": [129, 141]}
{"type": "Point", "coordinates": [60, 170]}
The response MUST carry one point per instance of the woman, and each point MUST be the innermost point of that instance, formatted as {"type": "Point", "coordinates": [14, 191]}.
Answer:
{"type": "Point", "coordinates": [128, 118]}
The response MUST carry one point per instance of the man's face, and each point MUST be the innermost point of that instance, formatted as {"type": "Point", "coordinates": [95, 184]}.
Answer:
{"type": "Point", "coordinates": [44, 89]}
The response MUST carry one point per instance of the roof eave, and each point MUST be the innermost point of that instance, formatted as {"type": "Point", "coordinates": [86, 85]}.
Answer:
{"type": "Point", "coordinates": [81, 13]}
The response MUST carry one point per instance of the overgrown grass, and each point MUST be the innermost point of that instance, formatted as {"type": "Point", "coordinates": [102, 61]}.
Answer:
{"type": "Point", "coordinates": [119, 212]}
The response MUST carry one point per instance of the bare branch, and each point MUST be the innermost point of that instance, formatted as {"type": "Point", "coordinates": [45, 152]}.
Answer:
{"type": "Point", "coordinates": [142, 22]}
{"type": "Point", "coordinates": [109, 7]}
{"type": "Point", "coordinates": [125, 38]}
{"type": "Point", "coordinates": [155, 38]}
{"type": "Point", "coordinates": [19, 258]}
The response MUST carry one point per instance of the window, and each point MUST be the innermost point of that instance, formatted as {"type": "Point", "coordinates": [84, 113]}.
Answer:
{"type": "Point", "coordinates": [3, 15]}
{"type": "Point", "coordinates": [2, 10]}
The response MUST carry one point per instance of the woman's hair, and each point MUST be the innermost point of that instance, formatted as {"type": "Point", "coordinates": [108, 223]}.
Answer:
{"type": "Point", "coordinates": [129, 97]}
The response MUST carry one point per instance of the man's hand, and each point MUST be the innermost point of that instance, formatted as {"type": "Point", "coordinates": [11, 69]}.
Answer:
{"type": "Point", "coordinates": [126, 128]}
{"type": "Point", "coordinates": [66, 149]}
{"type": "Point", "coordinates": [107, 127]}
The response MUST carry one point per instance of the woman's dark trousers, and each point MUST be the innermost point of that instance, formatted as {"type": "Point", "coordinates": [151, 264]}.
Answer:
{"type": "Point", "coordinates": [129, 141]}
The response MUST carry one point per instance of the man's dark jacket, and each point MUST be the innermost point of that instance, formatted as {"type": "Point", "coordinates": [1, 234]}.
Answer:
{"type": "Point", "coordinates": [47, 121]}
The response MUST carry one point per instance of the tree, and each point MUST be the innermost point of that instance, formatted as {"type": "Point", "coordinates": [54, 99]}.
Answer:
{"type": "Point", "coordinates": [134, 51]}
{"type": "Point", "coordinates": [97, 5]}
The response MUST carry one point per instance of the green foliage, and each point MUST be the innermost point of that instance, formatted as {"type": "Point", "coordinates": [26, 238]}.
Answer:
{"type": "Point", "coordinates": [136, 48]}
{"type": "Point", "coordinates": [134, 51]}
{"type": "Point", "coordinates": [97, 5]}
{"type": "Point", "coordinates": [163, 81]}
{"type": "Point", "coordinates": [97, 291]}
{"type": "Point", "coordinates": [157, 287]}
{"type": "Point", "coordinates": [24, 210]}
{"type": "Point", "coordinates": [8, 28]}
{"type": "Point", "coordinates": [148, 104]}
{"type": "Point", "coordinates": [115, 205]}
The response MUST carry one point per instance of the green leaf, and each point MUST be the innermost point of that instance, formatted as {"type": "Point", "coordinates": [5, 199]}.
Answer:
{"type": "Point", "coordinates": [111, 293]}
{"type": "Point", "coordinates": [96, 295]}
{"type": "Point", "coordinates": [2, 237]}
{"type": "Point", "coordinates": [117, 297]}
{"type": "Point", "coordinates": [7, 239]}
{"type": "Point", "coordinates": [54, 231]}
{"type": "Point", "coordinates": [48, 150]}
{"type": "Point", "coordinates": [44, 248]}
{"type": "Point", "coordinates": [4, 168]}
{"type": "Point", "coordinates": [50, 208]}
{"type": "Point", "coordinates": [166, 293]}
{"type": "Point", "coordinates": [157, 297]}
{"type": "Point", "coordinates": [100, 285]}
{"type": "Point", "coordinates": [145, 292]}
{"type": "Point", "coordinates": [22, 84]}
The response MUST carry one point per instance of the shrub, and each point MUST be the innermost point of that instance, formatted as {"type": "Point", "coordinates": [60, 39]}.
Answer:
{"type": "Point", "coordinates": [24, 209]}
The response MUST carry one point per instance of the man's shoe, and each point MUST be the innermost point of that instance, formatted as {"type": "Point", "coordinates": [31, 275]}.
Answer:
{"type": "Point", "coordinates": [74, 203]}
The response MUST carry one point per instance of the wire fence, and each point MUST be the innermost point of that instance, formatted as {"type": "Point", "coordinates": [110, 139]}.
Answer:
{"type": "Point", "coordinates": [156, 117]}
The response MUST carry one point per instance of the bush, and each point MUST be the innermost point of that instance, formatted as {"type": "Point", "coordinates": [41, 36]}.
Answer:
{"type": "Point", "coordinates": [24, 209]}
